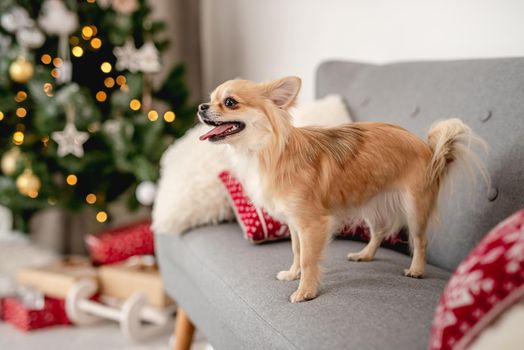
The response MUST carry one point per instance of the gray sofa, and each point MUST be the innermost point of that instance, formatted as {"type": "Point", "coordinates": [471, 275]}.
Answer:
{"type": "Point", "coordinates": [228, 287]}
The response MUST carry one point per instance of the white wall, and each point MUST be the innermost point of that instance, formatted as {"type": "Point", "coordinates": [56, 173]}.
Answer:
{"type": "Point", "coordinates": [263, 39]}
{"type": "Point", "coordinates": [182, 31]}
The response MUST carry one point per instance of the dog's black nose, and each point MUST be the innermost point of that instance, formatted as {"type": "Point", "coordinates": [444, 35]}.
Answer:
{"type": "Point", "coordinates": [203, 106]}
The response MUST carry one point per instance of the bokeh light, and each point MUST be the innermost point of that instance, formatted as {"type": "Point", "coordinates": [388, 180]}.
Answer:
{"type": "Point", "coordinates": [109, 82]}
{"type": "Point", "coordinates": [96, 43]}
{"type": "Point", "coordinates": [57, 62]}
{"type": "Point", "coordinates": [152, 115]}
{"type": "Point", "coordinates": [87, 32]}
{"type": "Point", "coordinates": [135, 104]}
{"type": "Point", "coordinates": [20, 96]}
{"type": "Point", "coordinates": [46, 59]}
{"type": "Point", "coordinates": [120, 80]}
{"type": "Point", "coordinates": [169, 116]}
{"type": "Point", "coordinates": [74, 40]}
{"type": "Point", "coordinates": [77, 51]}
{"type": "Point", "coordinates": [18, 138]}
{"type": "Point", "coordinates": [91, 198]}
{"type": "Point", "coordinates": [48, 89]}
{"type": "Point", "coordinates": [101, 96]}
{"type": "Point", "coordinates": [71, 180]}
{"type": "Point", "coordinates": [21, 112]}
{"type": "Point", "coordinates": [101, 216]}
{"type": "Point", "coordinates": [106, 67]}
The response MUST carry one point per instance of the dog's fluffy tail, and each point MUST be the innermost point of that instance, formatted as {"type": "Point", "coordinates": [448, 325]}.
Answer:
{"type": "Point", "coordinates": [451, 142]}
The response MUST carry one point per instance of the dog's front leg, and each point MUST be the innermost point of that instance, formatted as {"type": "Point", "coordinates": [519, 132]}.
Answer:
{"type": "Point", "coordinates": [294, 271]}
{"type": "Point", "coordinates": [313, 236]}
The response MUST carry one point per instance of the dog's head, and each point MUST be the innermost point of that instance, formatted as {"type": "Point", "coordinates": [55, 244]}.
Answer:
{"type": "Point", "coordinates": [245, 113]}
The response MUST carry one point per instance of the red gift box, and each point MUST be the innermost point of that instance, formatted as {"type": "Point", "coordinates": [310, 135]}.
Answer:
{"type": "Point", "coordinates": [15, 312]}
{"type": "Point", "coordinates": [121, 243]}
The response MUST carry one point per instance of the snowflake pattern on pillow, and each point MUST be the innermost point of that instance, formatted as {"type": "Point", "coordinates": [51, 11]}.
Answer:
{"type": "Point", "coordinates": [485, 284]}
{"type": "Point", "coordinates": [258, 226]}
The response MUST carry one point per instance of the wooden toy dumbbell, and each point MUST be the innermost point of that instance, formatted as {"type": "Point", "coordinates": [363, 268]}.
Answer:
{"type": "Point", "coordinates": [137, 320]}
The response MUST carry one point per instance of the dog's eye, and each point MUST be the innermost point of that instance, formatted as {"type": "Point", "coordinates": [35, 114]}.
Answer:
{"type": "Point", "coordinates": [230, 102]}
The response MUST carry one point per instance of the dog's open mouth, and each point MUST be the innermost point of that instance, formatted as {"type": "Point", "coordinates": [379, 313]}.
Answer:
{"type": "Point", "coordinates": [222, 130]}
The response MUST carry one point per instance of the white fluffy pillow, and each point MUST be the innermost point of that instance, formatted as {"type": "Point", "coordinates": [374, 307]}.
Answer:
{"type": "Point", "coordinates": [189, 192]}
{"type": "Point", "coordinates": [328, 111]}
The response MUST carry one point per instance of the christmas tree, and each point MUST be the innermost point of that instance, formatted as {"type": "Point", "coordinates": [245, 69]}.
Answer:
{"type": "Point", "coordinates": [80, 122]}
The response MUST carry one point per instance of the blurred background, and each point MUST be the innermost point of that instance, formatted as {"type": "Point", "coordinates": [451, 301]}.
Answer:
{"type": "Point", "coordinates": [261, 40]}
{"type": "Point", "coordinates": [210, 42]}
{"type": "Point", "coordinates": [92, 92]}
{"type": "Point", "coordinates": [126, 74]}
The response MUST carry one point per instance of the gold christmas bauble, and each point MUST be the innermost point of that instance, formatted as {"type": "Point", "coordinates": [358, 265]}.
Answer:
{"type": "Point", "coordinates": [21, 70]}
{"type": "Point", "coordinates": [28, 183]}
{"type": "Point", "coordinates": [9, 161]}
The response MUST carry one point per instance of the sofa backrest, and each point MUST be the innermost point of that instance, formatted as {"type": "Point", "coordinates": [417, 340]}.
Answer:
{"type": "Point", "coordinates": [486, 94]}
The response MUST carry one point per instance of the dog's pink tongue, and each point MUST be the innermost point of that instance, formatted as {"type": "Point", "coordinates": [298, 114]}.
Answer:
{"type": "Point", "coordinates": [216, 131]}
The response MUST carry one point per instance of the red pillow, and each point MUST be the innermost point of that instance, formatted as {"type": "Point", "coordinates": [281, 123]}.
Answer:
{"type": "Point", "coordinates": [485, 284]}
{"type": "Point", "coordinates": [256, 223]}
{"type": "Point", "coordinates": [361, 233]}
{"type": "Point", "coordinates": [259, 226]}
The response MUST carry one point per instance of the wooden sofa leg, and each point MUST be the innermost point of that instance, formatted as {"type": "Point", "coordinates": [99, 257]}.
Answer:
{"type": "Point", "coordinates": [184, 330]}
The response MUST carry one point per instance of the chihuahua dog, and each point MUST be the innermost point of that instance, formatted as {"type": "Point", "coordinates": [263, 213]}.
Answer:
{"type": "Point", "coordinates": [315, 178]}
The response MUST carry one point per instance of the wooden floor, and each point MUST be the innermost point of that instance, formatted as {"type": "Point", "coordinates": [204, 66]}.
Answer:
{"type": "Point", "coordinates": [105, 336]}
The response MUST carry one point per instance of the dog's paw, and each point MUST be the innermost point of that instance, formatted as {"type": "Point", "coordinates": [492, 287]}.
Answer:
{"type": "Point", "coordinates": [413, 273]}
{"type": "Point", "coordinates": [359, 257]}
{"type": "Point", "coordinates": [301, 295]}
{"type": "Point", "coordinates": [288, 275]}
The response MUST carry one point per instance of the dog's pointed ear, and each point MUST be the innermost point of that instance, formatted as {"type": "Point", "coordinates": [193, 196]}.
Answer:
{"type": "Point", "coordinates": [283, 92]}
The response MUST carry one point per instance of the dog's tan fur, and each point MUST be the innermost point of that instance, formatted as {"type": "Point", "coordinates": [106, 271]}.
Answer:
{"type": "Point", "coordinates": [316, 178]}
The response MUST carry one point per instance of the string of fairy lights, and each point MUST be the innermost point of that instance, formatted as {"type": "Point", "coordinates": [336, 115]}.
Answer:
{"type": "Point", "coordinates": [28, 183]}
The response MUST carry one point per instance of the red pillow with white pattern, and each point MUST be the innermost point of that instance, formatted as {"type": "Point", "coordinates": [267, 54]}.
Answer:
{"type": "Point", "coordinates": [486, 283]}
{"type": "Point", "coordinates": [259, 226]}
{"type": "Point", "coordinates": [256, 223]}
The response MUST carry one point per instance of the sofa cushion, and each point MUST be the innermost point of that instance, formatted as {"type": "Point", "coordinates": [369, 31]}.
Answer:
{"type": "Point", "coordinates": [229, 289]}
{"type": "Point", "coordinates": [487, 94]}
{"type": "Point", "coordinates": [259, 227]}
